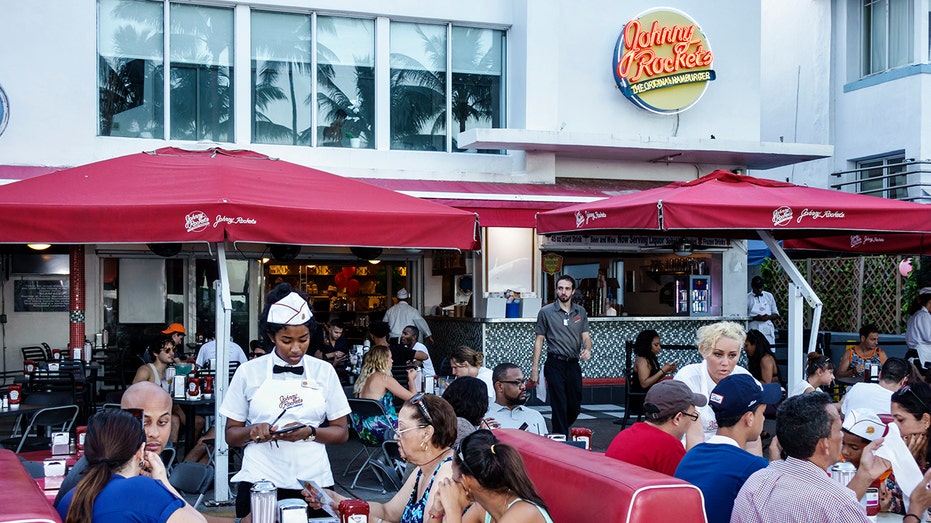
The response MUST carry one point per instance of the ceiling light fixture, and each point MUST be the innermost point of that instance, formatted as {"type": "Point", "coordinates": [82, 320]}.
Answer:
{"type": "Point", "coordinates": [38, 246]}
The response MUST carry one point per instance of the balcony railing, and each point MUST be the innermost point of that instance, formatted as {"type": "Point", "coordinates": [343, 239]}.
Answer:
{"type": "Point", "coordinates": [904, 181]}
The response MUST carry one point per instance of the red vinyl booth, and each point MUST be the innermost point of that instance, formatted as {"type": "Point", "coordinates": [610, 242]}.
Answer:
{"type": "Point", "coordinates": [25, 501]}
{"type": "Point", "coordinates": [580, 485]}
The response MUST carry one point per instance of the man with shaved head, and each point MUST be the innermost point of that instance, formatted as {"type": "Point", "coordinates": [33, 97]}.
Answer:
{"type": "Point", "coordinates": [156, 410]}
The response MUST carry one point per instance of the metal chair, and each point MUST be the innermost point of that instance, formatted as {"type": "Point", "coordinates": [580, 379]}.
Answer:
{"type": "Point", "coordinates": [43, 423]}
{"type": "Point", "coordinates": [630, 406]}
{"type": "Point", "coordinates": [35, 353]}
{"type": "Point", "coordinates": [365, 408]}
{"type": "Point", "coordinates": [192, 478]}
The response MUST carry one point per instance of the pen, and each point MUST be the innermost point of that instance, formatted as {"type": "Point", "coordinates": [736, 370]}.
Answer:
{"type": "Point", "coordinates": [272, 424]}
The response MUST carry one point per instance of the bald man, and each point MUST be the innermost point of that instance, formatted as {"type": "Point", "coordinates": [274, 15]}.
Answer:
{"type": "Point", "coordinates": [156, 410]}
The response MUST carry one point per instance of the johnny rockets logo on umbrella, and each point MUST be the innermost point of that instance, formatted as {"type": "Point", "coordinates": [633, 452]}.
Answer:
{"type": "Point", "coordinates": [584, 217]}
{"type": "Point", "coordinates": [197, 221]}
{"type": "Point", "coordinates": [662, 61]}
{"type": "Point", "coordinates": [783, 215]}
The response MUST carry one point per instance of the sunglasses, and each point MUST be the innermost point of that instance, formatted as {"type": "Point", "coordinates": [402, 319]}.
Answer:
{"type": "Point", "coordinates": [908, 388]}
{"type": "Point", "coordinates": [419, 401]}
{"type": "Point", "coordinates": [465, 466]}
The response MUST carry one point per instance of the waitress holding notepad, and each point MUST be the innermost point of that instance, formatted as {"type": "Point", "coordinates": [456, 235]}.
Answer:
{"type": "Point", "coordinates": [287, 390]}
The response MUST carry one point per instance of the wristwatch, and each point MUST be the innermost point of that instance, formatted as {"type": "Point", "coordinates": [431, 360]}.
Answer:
{"type": "Point", "coordinates": [313, 434]}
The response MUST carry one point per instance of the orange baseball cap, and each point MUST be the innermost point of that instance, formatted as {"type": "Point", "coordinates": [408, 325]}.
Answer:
{"type": "Point", "coordinates": [173, 328]}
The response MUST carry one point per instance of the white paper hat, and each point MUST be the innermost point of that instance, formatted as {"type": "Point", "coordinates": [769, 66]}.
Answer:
{"type": "Point", "coordinates": [403, 294]}
{"type": "Point", "coordinates": [864, 423]}
{"type": "Point", "coordinates": [290, 310]}
{"type": "Point", "coordinates": [924, 290]}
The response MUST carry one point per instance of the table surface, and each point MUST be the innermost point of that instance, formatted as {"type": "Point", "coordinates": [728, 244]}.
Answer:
{"type": "Point", "coordinates": [188, 401]}
{"type": "Point", "coordinates": [42, 455]}
{"type": "Point", "coordinates": [23, 409]}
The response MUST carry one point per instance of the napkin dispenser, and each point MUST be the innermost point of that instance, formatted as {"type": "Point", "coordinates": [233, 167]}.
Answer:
{"type": "Point", "coordinates": [53, 467]}
{"type": "Point", "coordinates": [61, 443]}
{"type": "Point", "coordinates": [292, 511]}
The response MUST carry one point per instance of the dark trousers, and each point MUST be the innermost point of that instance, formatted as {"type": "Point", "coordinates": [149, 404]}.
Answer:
{"type": "Point", "coordinates": [564, 390]}
{"type": "Point", "coordinates": [244, 500]}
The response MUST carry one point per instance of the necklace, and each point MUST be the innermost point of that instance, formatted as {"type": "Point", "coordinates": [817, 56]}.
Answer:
{"type": "Point", "coordinates": [431, 460]}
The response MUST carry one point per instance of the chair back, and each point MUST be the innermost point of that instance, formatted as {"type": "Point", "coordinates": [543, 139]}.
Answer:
{"type": "Point", "coordinates": [46, 421]}
{"type": "Point", "coordinates": [189, 477]}
{"type": "Point", "coordinates": [34, 353]}
{"type": "Point", "coordinates": [633, 401]}
{"type": "Point", "coordinates": [366, 408]}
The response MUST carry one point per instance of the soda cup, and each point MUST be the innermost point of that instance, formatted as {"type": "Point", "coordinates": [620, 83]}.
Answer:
{"type": "Point", "coordinates": [193, 388]}
{"type": "Point", "coordinates": [872, 501]}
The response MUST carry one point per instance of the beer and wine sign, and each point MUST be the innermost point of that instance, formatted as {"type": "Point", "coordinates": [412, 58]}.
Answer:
{"type": "Point", "coordinates": [662, 61]}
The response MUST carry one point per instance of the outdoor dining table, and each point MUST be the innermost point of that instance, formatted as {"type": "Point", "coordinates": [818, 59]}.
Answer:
{"type": "Point", "coordinates": [189, 407]}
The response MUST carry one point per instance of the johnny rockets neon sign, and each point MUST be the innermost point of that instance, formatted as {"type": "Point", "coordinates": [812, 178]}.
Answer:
{"type": "Point", "coordinates": [662, 61]}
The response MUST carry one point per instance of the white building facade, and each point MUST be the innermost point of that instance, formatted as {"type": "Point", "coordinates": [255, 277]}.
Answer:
{"type": "Point", "coordinates": [414, 95]}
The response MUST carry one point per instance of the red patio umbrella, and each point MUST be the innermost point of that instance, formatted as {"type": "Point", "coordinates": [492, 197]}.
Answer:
{"type": "Point", "coordinates": [865, 244]}
{"type": "Point", "coordinates": [724, 204]}
{"type": "Point", "coordinates": [216, 195]}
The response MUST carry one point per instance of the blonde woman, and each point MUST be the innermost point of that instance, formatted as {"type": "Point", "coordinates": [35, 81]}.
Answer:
{"type": "Point", "coordinates": [719, 344]}
{"type": "Point", "coordinates": [376, 383]}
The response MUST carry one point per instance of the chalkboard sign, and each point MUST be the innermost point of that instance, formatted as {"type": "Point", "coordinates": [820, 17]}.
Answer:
{"type": "Point", "coordinates": [40, 295]}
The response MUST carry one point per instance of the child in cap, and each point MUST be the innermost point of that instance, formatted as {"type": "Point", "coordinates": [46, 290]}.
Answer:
{"type": "Point", "coordinates": [861, 426]}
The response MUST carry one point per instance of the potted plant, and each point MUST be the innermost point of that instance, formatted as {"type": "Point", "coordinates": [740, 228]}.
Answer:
{"type": "Point", "coordinates": [354, 141]}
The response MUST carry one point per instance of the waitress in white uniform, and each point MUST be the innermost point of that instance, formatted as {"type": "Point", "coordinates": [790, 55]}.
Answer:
{"type": "Point", "coordinates": [284, 390]}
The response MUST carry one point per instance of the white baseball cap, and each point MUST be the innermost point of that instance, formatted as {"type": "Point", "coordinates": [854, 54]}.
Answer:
{"type": "Point", "coordinates": [864, 423]}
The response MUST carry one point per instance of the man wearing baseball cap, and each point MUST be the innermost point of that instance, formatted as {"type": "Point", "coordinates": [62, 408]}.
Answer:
{"type": "Point", "coordinates": [176, 332]}
{"type": "Point", "coordinates": [656, 444]}
{"type": "Point", "coordinates": [721, 465]}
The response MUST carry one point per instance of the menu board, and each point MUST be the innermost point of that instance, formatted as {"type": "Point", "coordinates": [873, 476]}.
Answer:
{"type": "Point", "coordinates": [40, 295]}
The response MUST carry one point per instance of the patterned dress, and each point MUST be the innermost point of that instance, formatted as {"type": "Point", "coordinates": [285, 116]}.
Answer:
{"type": "Point", "coordinates": [414, 510]}
{"type": "Point", "coordinates": [374, 429]}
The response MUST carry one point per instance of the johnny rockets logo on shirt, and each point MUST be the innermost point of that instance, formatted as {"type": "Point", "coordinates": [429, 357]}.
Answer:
{"type": "Point", "coordinates": [291, 400]}
{"type": "Point", "coordinates": [576, 319]}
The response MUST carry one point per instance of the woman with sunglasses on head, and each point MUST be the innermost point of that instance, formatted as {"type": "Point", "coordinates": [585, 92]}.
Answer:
{"type": "Point", "coordinates": [376, 383]}
{"type": "Point", "coordinates": [912, 416]}
{"type": "Point", "coordinates": [819, 372]}
{"type": "Point", "coordinates": [490, 476]}
{"type": "Point", "coordinates": [121, 469]}
{"type": "Point", "coordinates": [426, 430]}
{"type": "Point", "coordinates": [286, 396]}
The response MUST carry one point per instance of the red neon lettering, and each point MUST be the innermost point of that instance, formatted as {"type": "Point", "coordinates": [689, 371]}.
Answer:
{"type": "Point", "coordinates": [639, 59]}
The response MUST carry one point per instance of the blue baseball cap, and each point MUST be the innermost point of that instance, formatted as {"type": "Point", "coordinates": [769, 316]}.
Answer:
{"type": "Point", "coordinates": [740, 393]}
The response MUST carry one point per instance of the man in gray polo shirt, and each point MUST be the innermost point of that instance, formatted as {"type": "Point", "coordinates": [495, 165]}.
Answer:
{"type": "Point", "coordinates": [564, 326]}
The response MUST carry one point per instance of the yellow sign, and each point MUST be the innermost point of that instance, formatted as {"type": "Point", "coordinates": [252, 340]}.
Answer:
{"type": "Point", "coordinates": [552, 263]}
{"type": "Point", "coordinates": [662, 61]}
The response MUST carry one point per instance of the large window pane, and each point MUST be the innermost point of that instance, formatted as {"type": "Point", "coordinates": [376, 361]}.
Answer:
{"type": "Point", "coordinates": [201, 73]}
{"type": "Point", "coordinates": [281, 78]}
{"type": "Point", "coordinates": [478, 86]}
{"type": "Point", "coordinates": [345, 82]}
{"type": "Point", "coordinates": [130, 68]}
{"type": "Point", "coordinates": [418, 86]}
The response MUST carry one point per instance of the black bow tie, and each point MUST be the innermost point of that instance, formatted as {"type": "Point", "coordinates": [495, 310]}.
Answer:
{"type": "Point", "coordinates": [278, 369]}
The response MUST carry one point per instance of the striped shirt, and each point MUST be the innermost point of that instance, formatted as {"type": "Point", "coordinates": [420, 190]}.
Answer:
{"type": "Point", "coordinates": [795, 490]}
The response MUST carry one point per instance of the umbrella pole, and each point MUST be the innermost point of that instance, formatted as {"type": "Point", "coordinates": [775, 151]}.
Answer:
{"type": "Point", "coordinates": [797, 290]}
{"type": "Point", "coordinates": [223, 314]}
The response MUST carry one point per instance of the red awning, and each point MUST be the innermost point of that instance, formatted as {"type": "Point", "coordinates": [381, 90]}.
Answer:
{"type": "Point", "coordinates": [513, 204]}
{"type": "Point", "coordinates": [728, 205]}
{"type": "Point", "coordinates": [174, 195]}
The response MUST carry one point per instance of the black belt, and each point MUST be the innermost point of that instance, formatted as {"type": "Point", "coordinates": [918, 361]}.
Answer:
{"type": "Point", "coordinates": [560, 357]}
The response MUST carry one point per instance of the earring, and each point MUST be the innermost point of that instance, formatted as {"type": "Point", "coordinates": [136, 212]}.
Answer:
{"type": "Point", "coordinates": [423, 445]}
